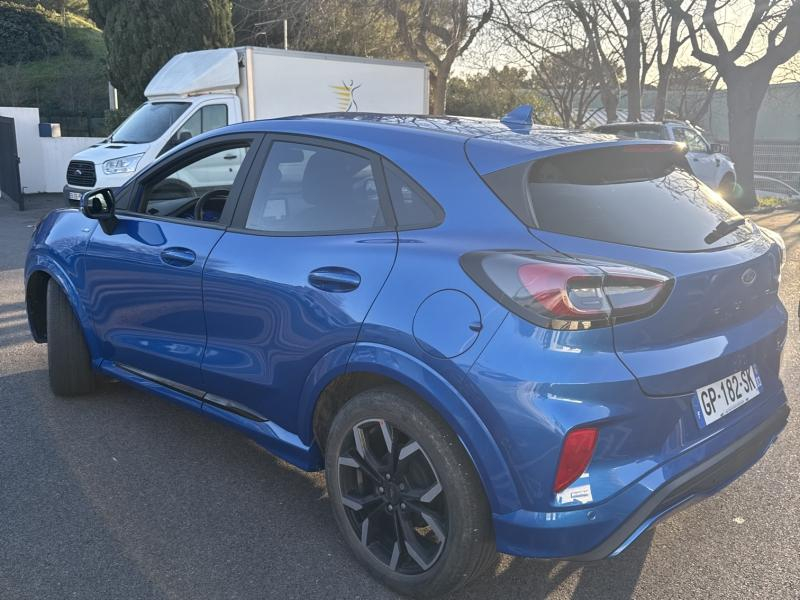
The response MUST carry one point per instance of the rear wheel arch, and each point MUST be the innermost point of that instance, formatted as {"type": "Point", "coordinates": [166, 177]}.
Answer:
{"type": "Point", "coordinates": [444, 401]}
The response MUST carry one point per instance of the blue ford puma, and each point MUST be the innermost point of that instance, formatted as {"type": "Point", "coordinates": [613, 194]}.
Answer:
{"type": "Point", "coordinates": [492, 335]}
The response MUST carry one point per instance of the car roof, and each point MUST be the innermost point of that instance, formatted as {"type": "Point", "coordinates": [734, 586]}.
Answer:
{"type": "Point", "coordinates": [490, 144]}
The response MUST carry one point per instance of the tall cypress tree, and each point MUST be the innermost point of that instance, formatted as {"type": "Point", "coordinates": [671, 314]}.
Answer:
{"type": "Point", "coordinates": [142, 35]}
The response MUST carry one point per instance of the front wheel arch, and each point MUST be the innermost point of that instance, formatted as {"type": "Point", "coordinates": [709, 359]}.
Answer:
{"type": "Point", "coordinates": [36, 305]}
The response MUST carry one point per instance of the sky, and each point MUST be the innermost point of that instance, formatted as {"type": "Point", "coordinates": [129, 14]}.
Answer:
{"type": "Point", "coordinates": [733, 18]}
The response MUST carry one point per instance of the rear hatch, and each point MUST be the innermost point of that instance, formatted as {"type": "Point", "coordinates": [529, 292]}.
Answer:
{"type": "Point", "coordinates": [637, 205]}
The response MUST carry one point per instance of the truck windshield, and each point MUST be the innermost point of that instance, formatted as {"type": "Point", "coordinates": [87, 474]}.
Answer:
{"type": "Point", "coordinates": [148, 122]}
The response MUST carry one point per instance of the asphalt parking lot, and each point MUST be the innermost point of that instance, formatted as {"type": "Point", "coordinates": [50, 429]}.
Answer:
{"type": "Point", "coordinates": [123, 495]}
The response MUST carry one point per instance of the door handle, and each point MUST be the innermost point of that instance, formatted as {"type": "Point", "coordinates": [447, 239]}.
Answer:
{"type": "Point", "coordinates": [230, 156]}
{"type": "Point", "coordinates": [334, 279]}
{"type": "Point", "coordinates": [178, 257]}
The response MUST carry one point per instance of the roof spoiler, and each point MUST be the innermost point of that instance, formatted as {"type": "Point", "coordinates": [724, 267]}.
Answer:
{"type": "Point", "coordinates": [522, 115]}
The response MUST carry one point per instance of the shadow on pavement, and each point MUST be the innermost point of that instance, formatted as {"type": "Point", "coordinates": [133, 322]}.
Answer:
{"type": "Point", "coordinates": [121, 494]}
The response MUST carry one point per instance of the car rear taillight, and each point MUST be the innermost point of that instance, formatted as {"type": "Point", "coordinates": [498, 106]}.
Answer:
{"type": "Point", "coordinates": [559, 292]}
{"type": "Point", "coordinates": [576, 453]}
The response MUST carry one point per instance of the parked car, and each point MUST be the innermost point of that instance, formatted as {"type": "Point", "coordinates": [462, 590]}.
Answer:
{"type": "Point", "coordinates": [493, 336]}
{"type": "Point", "coordinates": [707, 161]}
{"type": "Point", "coordinates": [199, 91]}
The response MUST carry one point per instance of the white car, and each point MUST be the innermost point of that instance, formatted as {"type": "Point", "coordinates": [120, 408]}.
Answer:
{"type": "Point", "coordinates": [708, 162]}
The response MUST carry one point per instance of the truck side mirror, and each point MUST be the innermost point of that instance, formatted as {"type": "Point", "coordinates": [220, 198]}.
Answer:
{"type": "Point", "coordinates": [716, 148]}
{"type": "Point", "coordinates": [178, 138]}
{"type": "Point", "coordinates": [99, 205]}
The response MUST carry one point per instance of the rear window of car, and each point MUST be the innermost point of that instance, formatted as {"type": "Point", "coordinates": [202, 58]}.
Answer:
{"type": "Point", "coordinates": [640, 132]}
{"type": "Point", "coordinates": [638, 195]}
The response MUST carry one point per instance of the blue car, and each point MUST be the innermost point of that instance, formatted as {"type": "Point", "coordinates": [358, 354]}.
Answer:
{"type": "Point", "coordinates": [493, 336]}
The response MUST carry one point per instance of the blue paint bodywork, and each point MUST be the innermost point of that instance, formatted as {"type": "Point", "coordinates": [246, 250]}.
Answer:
{"type": "Point", "coordinates": [234, 314]}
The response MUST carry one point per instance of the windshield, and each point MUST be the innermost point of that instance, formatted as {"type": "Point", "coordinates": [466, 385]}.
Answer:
{"type": "Point", "coordinates": [639, 195]}
{"type": "Point", "coordinates": [148, 122]}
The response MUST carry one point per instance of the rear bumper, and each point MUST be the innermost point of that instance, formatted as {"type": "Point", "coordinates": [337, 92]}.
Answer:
{"type": "Point", "coordinates": [607, 528]}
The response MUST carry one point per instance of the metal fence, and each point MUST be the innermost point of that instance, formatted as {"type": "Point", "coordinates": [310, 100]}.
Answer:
{"type": "Point", "coordinates": [777, 169]}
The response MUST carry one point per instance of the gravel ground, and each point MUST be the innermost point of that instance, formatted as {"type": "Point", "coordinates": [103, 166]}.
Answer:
{"type": "Point", "coordinates": [123, 495]}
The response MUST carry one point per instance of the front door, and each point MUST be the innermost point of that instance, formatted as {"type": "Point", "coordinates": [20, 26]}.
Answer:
{"type": "Point", "coordinates": [144, 278]}
{"type": "Point", "coordinates": [294, 277]}
{"type": "Point", "coordinates": [9, 162]}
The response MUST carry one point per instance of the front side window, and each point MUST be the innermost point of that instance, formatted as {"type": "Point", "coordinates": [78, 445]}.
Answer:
{"type": "Point", "coordinates": [314, 189]}
{"type": "Point", "coordinates": [198, 190]}
{"type": "Point", "coordinates": [695, 142]}
{"type": "Point", "coordinates": [205, 119]}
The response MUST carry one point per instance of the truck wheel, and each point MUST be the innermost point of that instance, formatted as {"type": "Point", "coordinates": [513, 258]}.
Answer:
{"type": "Point", "coordinates": [405, 494]}
{"type": "Point", "coordinates": [69, 363]}
{"type": "Point", "coordinates": [727, 186]}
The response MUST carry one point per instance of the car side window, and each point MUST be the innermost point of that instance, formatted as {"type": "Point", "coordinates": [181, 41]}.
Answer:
{"type": "Point", "coordinates": [207, 118]}
{"type": "Point", "coordinates": [413, 208]}
{"type": "Point", "coordinates": [315, 189]}
{"type": "Point", "coordinates": [197, 190]}
{"type": "Point", "coordinates": [695, 142]}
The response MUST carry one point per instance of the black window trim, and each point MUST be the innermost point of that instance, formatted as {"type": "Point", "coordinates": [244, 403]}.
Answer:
{"type": "Point", "coordinates": [419, 190]}
{"type": "Point", "coordinates": [239, 221]}
{"type": "Point", "coordinates": [184, 157]}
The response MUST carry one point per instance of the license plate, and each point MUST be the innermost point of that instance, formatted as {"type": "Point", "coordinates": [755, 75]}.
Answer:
{"type": "Point", "coordinates": [74, 195]}
{"type": "Point", "coordinates": [714, 401]}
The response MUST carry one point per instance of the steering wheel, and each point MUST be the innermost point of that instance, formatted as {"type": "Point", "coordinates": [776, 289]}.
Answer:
{"type": "Point", "coordinates": [215, 198]}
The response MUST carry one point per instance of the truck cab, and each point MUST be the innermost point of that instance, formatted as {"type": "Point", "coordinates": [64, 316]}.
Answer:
{"type": "Point", "coordinates": [199, 91]}
{"type": "Point", "coordinates": [154, 128]}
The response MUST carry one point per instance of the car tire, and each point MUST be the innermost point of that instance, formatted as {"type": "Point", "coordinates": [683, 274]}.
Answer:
{"type": "Point", "coordinates": [68, 359]}
{"type": "Point", "coordinates": [727, 186]}
{"type": "Point", "coordinates": [420, 540]}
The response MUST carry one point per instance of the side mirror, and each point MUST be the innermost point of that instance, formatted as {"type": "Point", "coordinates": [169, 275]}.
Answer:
{"type": "Point", "coordinates": [176, 139]}
{"type": "Point", "coordinates": [716, 148]}
{"type": "Point", "coordinates": [99, 205]}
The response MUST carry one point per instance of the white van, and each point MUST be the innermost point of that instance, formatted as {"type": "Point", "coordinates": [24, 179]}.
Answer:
{"type": "Point", "coordinates": [199, 91]}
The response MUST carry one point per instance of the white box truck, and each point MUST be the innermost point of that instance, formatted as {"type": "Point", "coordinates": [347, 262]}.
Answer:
{"type": "Point", "coordinates": [199, 91]}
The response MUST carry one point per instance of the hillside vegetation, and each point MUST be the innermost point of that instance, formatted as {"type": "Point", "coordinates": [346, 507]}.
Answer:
{"type": "Point", "coordinates": [55, 61]}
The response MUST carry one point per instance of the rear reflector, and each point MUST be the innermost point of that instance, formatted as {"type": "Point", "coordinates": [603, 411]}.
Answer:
{"type": "Point", "coordinates": [575, 456]}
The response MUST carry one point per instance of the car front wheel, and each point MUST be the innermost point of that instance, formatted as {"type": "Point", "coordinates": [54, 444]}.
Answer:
{"type": "Point", "coordinates": [405, 494]}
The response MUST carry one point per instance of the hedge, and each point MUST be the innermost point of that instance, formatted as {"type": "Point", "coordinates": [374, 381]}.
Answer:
{"type": "Point", "coordinates": [28, 33]}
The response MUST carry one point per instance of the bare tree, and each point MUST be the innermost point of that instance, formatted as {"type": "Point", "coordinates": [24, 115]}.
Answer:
{"type": "Point", "coordinates": [438, 32]}
{"type": "Point", "coordinates": [668, 37]}
{"type": "Point", "coordinates": [604, 64]}
{"type": "Point", "coordinates": [542, 35]}
{"type": "Point", "coordinates": [562, 79]}
{"type": "Point", "coordinates": [769, 38]}
{"type": "Point", "coordinates": [630, 12]}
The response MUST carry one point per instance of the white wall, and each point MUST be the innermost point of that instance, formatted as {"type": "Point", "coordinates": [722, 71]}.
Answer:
{"type": "Point", "coordinates": [43, 161]}
{"type": "Point", "coordinates": [29, 150]}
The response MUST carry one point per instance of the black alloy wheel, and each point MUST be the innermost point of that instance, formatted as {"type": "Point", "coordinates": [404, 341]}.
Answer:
{"type": "Point", "coordinates": [393, 497]}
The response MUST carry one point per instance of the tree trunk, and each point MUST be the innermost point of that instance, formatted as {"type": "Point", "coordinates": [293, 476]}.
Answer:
{"type": "Point", "coordinates": [633, 60]}
{"type": "Point", "coordinates": [439, 89]}
{"type": "Point", "coordinates": [747, 87]}
{"type": "Point", "coordinates": [610, 102]}
{"type": "Point", "coordinates": [661, 93]}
